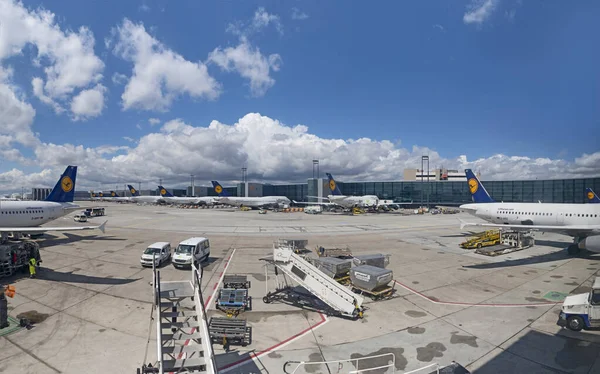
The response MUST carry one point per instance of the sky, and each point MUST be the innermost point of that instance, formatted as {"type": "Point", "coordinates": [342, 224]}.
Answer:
{"type": "Point", "coordinates": [144, 90]}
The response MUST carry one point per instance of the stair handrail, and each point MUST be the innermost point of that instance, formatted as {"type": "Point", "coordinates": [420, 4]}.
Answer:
{"type": "Point", "coordinates": [209, 355]}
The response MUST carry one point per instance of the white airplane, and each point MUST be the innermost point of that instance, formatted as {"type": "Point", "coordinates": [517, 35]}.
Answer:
{"type": "Point", "coordinates": [580, 221]}
{"type": "Point", "coordinates": [251, 202]}
{"type": "Point", "coordinates": [25, 217]}
{"type": "Point", "coordinates": [137, 198]}
{"type": "Point", "coordinates": [169, 198]}
{"type": "Point", "coordinates": [348, 202]}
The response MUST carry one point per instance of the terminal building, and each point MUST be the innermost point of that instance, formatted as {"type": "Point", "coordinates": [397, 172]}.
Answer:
{"type": "Point", "coordinates": [435, 192]}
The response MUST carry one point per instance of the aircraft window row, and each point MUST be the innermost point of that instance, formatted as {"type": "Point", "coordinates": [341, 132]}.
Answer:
{"type": "Point", "coordinates": [529, 214]}
{"type": "Point", "coordinates": [21, 211]}
{"type": "Point", "coordinates": [581, 215]}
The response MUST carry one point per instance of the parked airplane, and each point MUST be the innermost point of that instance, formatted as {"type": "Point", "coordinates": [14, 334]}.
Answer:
{"type": "Point", "coordinates": [136, 197]}
{"type": "Point", "coordinates": [580, 221]}
{"type": "Point", "coordinates": [251, 202]}
{"type": "Point", "coordinates": [25, 217]}
{"type": "Point", "coordinates": [336, 198]}
{"type": "Point", "coordinates": [169, 198]}
{"type": "Point", "coordinates": [591, 196]}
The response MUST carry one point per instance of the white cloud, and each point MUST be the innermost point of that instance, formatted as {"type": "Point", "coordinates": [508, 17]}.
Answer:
{"type": "Point", "coordinates": [479, 11]}
{"type": "Point", "coordinates": [259, 21]}
{"type": "Point", "coordinates": [250, 63]}
{"type": "Point", "coordinates": [153, 121]}
{"type": "Point", "coordinates": [118, 78]}
{"type": "Point", "coordinates": [439, 27]}
{"type": "Point", "coordinates": [16, 116]}
{"type": "Point", "coordinates": [299, 15]}
{"type": "Point", "coordinates": [130, 139]}
{"type": "Point", "coordinates": [159, 74]}
{"type": "Point", "coordinates": [144, 8]}
{"type": "Point", "coordinates": [67, 57]}
{"type": "Point", "coordinates": [274, 152]}
{"type": "Point", "coordinates": [139, 127]}
{"type": "Point", "coordinates": [89, 103]}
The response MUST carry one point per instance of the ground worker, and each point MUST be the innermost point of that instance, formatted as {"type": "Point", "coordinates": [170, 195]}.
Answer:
{"type": "Point", "coordinates": [32, 263]}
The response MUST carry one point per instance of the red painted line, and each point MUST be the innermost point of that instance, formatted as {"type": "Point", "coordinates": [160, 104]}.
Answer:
{"type": "Point", "coordinates": [469, 304]}
{"type": "Point", "coordinates": [267, 350]}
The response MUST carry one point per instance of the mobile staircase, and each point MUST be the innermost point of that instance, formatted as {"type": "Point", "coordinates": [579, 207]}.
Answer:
{"type": "Point", "coordinates": [182, 335]}
{"type": "Point", "coordinates": [339, 298]}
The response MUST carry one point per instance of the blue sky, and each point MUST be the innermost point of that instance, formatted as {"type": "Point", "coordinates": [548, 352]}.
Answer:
{"type": "Point", "coordinates": [475, 78]}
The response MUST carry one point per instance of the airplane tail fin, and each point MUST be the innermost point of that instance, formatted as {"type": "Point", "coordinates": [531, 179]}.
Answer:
{"type": "Point", "coordinates": [102, 227]}
{"type": "Point", "coordinates": [163, 192]}
{"type": "Point", "coordinates": [133, 191]}
{"type": "Point", "coordinates": [591, 196]}
{"type": "Point", "coordinates": [64, 190]}
{"type": "Point", "coordinates": [335, 190]}
{"type": "Point", "coordinates": [113, 194]}
{"type": "Point", "coordinates": [478, 192]}
{"type": "Point", "coordinates": [219, 189]}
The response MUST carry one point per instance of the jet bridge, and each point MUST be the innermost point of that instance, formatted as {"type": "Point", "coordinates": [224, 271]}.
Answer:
{"type": "Point", "coordinates": [338, 297]}
{"type": "Point", "coordinates": [183, 340]}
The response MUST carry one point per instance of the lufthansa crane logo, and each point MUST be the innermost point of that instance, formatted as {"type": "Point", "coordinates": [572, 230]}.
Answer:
{"type": "Point", "coordinates": [112, 194]}
{"type": "Point", "coordinates": [66, 184]}
{"type": "Point", "coordinates": [332, 185]}
{"type": "Point", "coordinates": [218, 189]}
{"type": "Point", "coordinates": [133, 190]}
{"type": "Point", "coordinates": [163, 192]}
{"type": "Point", "coordinates": [473, 185]}
{"type": "Point", "coordinates": [590, 195]}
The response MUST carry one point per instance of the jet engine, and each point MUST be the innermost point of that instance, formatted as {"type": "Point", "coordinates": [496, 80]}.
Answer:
{"type": "Point", "coordinates": [591, 243]}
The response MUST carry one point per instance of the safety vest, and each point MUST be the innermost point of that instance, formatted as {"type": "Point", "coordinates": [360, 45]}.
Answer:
{"type": "Point", "coordinates": [32, 261]}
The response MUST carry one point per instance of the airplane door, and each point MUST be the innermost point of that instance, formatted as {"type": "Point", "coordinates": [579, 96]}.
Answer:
{"type": "Point", "coordinates": [560, 218]}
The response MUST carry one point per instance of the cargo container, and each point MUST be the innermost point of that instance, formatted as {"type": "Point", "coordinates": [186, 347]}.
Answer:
{"type": "Point", "coordinates": [369, 277]}
{"type": "Point", "coordinates": [333, 267]}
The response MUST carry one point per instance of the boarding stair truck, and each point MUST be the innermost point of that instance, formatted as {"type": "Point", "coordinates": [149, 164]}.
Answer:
{"type": "Point", "coordinates": [339, 298]}
{"type": "Point", "coordinates": [182, 334]}
{"type": "Point", "coordinates": [581, 310]}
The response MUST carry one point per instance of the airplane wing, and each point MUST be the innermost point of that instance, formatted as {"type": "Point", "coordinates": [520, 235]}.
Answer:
{"type": "Point", "coordinates": [570, 230]}
{"type": "Point", "coordinates": [41, 229]}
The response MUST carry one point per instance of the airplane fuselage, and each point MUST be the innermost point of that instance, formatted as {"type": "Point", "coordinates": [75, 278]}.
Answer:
{"type": "Point", "coordinates": [32, 213]}
{"type": "Point", "coordinates": [536, 214]}
{"type": "Point", "coordinates": [365, 201]}
{"type": "Point", "coordinates": [190, 200]}
{"type": "Point", "coordinates": [255, 202]}
{"type": "Point", "coordinates": [147, 199]}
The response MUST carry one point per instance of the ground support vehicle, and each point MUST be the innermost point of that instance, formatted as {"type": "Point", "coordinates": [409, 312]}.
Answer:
{"type": "Point", "coordinates": [582, 310]}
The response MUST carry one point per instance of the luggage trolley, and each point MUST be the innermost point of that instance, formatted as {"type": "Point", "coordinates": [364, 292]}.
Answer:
{"type": "Point", "coordinates": [233, 297]}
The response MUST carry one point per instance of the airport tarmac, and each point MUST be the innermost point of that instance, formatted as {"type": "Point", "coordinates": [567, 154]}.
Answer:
{"type": "Point", "coordinates": [490, 314]}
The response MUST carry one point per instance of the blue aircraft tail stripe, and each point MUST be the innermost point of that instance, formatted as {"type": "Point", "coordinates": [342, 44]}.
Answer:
{"type": "Point", "coordinates": [335, 190]}
{"type": "Point", "coordinates": [591, 196]}
{"type": "Point", "coordinates": [166, 193]}
{"type": "Point", "coordinates": [219, 190]}
{"type": "Point", "coordinates": [478, 192]}
{"type": "Point", "coordinates": [64, 190]}
{"type": "Point", "coordinates": [133, 191]}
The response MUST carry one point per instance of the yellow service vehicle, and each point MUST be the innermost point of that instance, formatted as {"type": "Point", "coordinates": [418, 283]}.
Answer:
{"type": "Point", "coordinates": [483, 239]}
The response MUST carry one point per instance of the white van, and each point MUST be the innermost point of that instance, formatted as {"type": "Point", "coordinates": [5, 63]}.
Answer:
{"type": "Point", "coordinates": [192, 250]}
{"type": "Point", "coordinates": [80, 218]}
{"type": "Point", "coordinates": [162, 250]}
